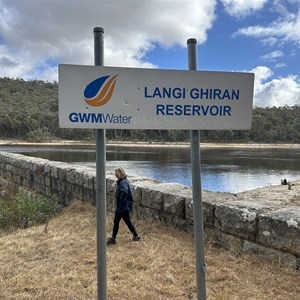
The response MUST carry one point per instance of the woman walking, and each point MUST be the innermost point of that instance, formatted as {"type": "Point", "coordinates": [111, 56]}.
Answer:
{"type": "Point", "coordinates": [124, 204]}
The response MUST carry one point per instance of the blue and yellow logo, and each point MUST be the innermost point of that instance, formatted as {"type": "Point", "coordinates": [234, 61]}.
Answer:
{"type": "Point", "coordinates": [99, 91]}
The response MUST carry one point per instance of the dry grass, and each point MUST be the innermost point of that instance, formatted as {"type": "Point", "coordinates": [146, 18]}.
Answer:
{"type": "Point", "coordinates": [61, 264]}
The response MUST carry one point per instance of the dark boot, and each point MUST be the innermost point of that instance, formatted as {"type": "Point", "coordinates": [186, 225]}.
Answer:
{"type": "Point", "coordinates": [111, 241]}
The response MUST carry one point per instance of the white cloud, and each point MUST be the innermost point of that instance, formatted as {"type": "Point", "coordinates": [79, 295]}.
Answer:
{"type": "Point", "coordinates": [280, 65]}
{"type": "Point", "coordinates": [35, 32]}
{"type": "Point", "coordinates": [242, 7]}
{"type": "Point", "coordinates": [272, 55]}
{"type": "Point", "coordinates": [269, 41]}
{"type": "Point", "coordinates": [275, 92]}
{"type": "Point", "coordinates": [284, 29]}
{"type": "Point", "coordinates": [262, 73]}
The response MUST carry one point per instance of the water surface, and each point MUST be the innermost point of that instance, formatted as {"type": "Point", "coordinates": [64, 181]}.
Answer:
{"type": "Point", "coordinates": [222, 169]}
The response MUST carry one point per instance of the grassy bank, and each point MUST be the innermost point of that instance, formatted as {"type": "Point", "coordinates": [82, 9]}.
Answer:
{"type": "Point", "coordinates": [61, 264]}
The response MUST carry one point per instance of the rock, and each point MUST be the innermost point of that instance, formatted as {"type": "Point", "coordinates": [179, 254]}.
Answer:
{"type": "Point", "coordinates": [240, 217]}
{"type": "Point", "coordinates": [283, 258]}
{"type": "Point", "coordinates": [281, 229]}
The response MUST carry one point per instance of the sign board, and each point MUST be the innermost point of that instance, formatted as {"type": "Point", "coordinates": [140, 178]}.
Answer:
{"type": "Point", "coordinates": [130, 98]}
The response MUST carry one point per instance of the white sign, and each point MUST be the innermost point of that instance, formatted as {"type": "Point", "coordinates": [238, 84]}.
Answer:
{"type": "Point", "coordinates": [130, 98]}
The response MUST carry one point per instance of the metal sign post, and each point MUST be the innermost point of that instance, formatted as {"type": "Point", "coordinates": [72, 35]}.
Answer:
{"type": "Point", "coordinates": [100, 184]}
{"type": "Point", "coordinates": [196, 185]}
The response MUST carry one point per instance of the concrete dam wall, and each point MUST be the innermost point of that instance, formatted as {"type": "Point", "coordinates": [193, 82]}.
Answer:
{"type": "Point", "coordinates": [264, 221]}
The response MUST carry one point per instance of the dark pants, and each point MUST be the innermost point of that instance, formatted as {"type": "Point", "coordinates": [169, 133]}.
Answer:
{"type": "Point", "coordinates": [126, 217]}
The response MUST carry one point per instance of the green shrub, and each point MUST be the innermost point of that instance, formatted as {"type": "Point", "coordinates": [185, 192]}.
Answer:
{"type": "Point", "coordinates": [21, 209]}
{"type": "Point", "coordinates": [39, 134]}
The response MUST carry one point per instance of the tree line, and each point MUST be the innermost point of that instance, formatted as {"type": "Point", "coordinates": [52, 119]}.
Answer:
{"type": "Point", "coordinates": [29, 111]}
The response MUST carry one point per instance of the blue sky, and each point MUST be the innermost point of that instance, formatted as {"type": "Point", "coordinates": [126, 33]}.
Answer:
{"type": "Point", "coordinates": [260, 36]}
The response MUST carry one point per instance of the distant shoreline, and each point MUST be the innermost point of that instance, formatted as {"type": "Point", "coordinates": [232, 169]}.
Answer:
{"type": "Point", "coordinates": [151, 144]}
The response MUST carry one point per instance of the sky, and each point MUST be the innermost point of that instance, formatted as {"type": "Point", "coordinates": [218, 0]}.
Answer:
{"type": "Point", "coordinates": [258, 36]}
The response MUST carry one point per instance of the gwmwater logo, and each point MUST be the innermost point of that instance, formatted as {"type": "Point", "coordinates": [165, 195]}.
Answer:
{"type": "Point", "coordinates": [99, 91]}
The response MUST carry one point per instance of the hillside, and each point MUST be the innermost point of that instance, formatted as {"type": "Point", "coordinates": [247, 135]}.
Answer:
{"type": "Point", "coordinates": [61, 264]}
{"type": "Point", "coordinates": [29, 110]}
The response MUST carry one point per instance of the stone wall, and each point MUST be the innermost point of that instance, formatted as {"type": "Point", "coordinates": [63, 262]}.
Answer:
{"type": "Point", "coordinates": [245, 222]}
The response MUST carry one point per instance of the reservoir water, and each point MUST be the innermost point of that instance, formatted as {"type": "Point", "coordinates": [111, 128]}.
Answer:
{"type": "Point", "coordinates": [222, 169]}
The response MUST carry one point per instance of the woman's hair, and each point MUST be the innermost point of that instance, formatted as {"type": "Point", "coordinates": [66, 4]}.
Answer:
{"type": "Point", "coordinates": [120, 172]}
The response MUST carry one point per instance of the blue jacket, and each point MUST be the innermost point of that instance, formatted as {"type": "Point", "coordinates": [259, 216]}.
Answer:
{"type": "Point", "coordinates": [124, 200]}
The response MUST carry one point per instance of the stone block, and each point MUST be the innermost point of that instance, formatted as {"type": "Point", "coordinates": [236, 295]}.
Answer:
{"type": "Point", "coordinates": [173, 220]}
{"type": "Point", "coordinates": [152, 199]}
{"type": "Point", "coordinates": [89, 195]}
{"type": "Point", "coordinates": [22, 172]}
{"type": "Point", "coordinates": [62, 172]}
{"type": "Point", "coordinates": [48, 191]}
{"type": "Point", "coordinates": [239, 218]}
{"type": "Point", "coordinates": [29, 165]}
{"type": "Point", "coordinates": [12, 169]}
{"type": "Point", "coordinates": [110, 202]}
{"type": "Point", "coordinates": [2, 166]}
{"type": "Point", "coordinates": [77, 191]}
{"type": "Point", "coordinates": [55, 184]}
{"type": "Point", "coordinates": [63, 186]}
{"type": "Point", "coordinates": [9, 168]}
{"type": "Point", "coordinates": [173, 197]}
{"type": "Point", "coordinates": [21, 181]}
{"type": "Point", "coordinates": [30, 180]}
{"type": "Point", "coordinates": [281, 229]}
{"type": "Point", "coordinates": [110, 185]}
{"type": "Point", "coordinates": [47, 168]}
{"type": "Point", "coordinates": [136, 194]}
{"type": "Point", "coordinates": [40, 179]}
{"type": "Point", "coordinates": [88, 179]}
{"type": "Point", "coordinates": [15, 178]}
{"type": "Point", "coordinates": [226, 241]}
{"type": "Point", "coordinates": [173, 204]}
{"type": "Point", "coordinates": [54, 170]}
{"type": "Point", "coordinates": [146, 213]}
{"type": "Point", "coordinates": [47, 181]}
{"type": "Point", "coordinates": [39, 167]}
{"type": "Point", "coordinates": [283, 258]}
{"type": "Point", "coordinates": [207, 210]}
{"type": "Point", "coordinates": [74, 176]}
{"type": "Point", "coordinates": [189, 210]}
{"type": "Point", "coordinates": [40, 188]}
{"type": "Point", "coordinates": [70, 176]}
{"type": "Point", "coordinates": [151, 196]}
